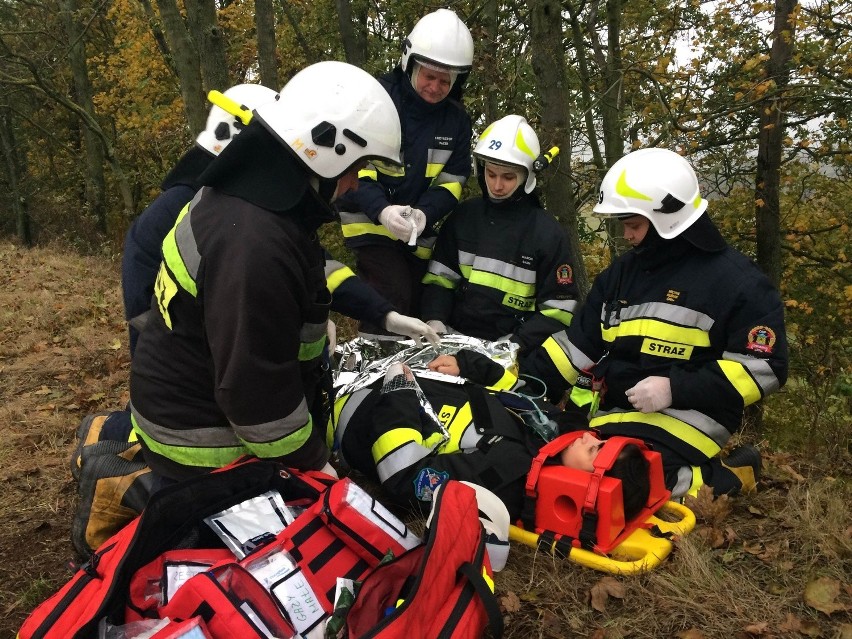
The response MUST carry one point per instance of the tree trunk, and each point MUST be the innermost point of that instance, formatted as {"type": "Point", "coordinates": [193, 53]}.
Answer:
{"type": "Point", "coordinates": [488, 59]}
{"type": "Point", "coordinates": [210, 38]}
{"type": "Point", "coordinates": [267, 56]}
{"type": "Point", "coordinates": [23, 228]}
{"type": "Point", "coordinates": [186, 62]}
{"type": "Point", "coordinates": [353, 32]}
{"type": "Point", "coordinates": [548, 61]}
{"type": "Point", "coordinates": [770, 143]}
{"type": "Point", "coordinates": [159, 36]}
{"type": "Point", "coordinates": [95, 188]}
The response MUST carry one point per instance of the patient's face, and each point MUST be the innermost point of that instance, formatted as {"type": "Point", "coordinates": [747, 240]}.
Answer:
{"type": "Point", "coordinates": [582, 452]}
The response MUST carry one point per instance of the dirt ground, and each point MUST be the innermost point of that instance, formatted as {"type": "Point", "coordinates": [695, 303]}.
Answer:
{"type": "Point", "coordinates": [776, 564]}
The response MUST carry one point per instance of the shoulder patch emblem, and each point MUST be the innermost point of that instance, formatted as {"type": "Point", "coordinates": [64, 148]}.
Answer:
{"type": "Point", "coordinates": [427, 482]}
{"type": "Point", "coordinates": [564, 274]}
{"type": "Point", "coordinates": [672, 295]}
{"type": "Point", "coordinates": [761, 339]}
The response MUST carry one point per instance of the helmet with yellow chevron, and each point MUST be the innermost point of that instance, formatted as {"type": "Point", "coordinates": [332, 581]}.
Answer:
{"type": "Point", "coordinates": [657, 184]}
{"type": "Point", "coordinates": [230, 113]}
{"type": "Point", "coordinates": [510, 141]}
{"type": "Point", "coordinates": [333, 115]}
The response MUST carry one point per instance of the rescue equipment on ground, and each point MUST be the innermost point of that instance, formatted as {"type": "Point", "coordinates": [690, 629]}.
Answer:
{"type": "Point", "coordinates": [579, 515]}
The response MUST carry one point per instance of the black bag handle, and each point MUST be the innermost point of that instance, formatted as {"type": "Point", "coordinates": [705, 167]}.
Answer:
{"type": "Point", "coordinates": [489, 601]}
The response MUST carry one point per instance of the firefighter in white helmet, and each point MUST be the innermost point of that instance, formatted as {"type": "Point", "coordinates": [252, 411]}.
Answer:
{"type": "Point", "coordinates": [389, 222]}
{"type": "Point", "coordinates": [502, 265]}
{"type": "Point", "coordinates": [231, 357]}
{"type": "Point", "coordinates": [678, 335]}
{"type": "Point", "coordinates": [141, 257]}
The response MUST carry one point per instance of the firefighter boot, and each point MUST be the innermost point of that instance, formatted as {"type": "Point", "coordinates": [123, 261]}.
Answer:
{"type": "Point", "coordinates": [745, 463]}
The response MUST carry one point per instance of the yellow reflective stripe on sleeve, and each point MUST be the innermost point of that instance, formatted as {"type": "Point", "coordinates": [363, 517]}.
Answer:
{"type": "Point", "coordinates": [676, 427]}
{"type": "Point", "coordinates": [393, 439]}
{"type": "Point", "coordinates": [172, 257]}
{"type": "Point", "coordinates": [353, 230]}
{"type": "Point", "coordinates": [740, 380]}
{"type": "Point", "coordinates": [697, 481]}
{"type": "Point", "coordinates": [560, 360]}
{"type": "Point", "coordinates": [164, 290]}
{"type": "Point", "coordinates": [504, 284]}
{"type": "Point", "coordinates": [191, 455]}
{"type": "Point", "coordinates": [563, 317]}
{"type": "Point", "coordinates": [506, 382]}
{"type": "Point", "coordinates": [434, 170]}
{"type": "Point", "coordinates": [658, 330]}
{"type": "Point", "coordinates": [311, 350]}
{"type": "Point", "coordinates": [369, 174]}
{"type": "Point", "coordinates": [457, 426]}
{"type": "Point", "coordinates": [423, 252]}
{"type": "Point", "coordinates": [338, 277]}
{"type": "Point", "coordinates": [443, 282]}
{"type": "Point", "coordinates": [453, 187]}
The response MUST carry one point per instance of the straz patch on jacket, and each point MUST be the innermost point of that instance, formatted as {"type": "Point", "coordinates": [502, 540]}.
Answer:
{"type": "Point", "coordinates": [427, 482]}
{"type": "Point", "coordinates": [666, 349]}
{"type": "Point", "coordinates": [761, 339]}
{"type": "Point", "coordinates": [564, 274]}
{"type": "Point", "coordinates": [518, 302]}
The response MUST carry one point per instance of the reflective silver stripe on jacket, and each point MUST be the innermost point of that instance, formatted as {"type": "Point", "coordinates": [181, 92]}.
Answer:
{"type": "Point", "coordinates": [569, 306]}
{"type": "Point", "coordinates": [661, 311]}
{"type": "Point", "coordinates": [277, 428]}
{"type": "Point", "coordinates": [438, 269]}
{"type": "Point", "coordinates": [759, 369]}
{"type": "Point", "coordinates": [185, 240]}
{"type": "Point", "coordinates": [578, 358]}
{"type": "Point", "coordinates": [406, 455]}
{"type": "Point", "coordinates": [193, 437]}
{"type": "Point", "coordinates": [504, 269]}
{"type": "Point", "coordinates": [438, 156]}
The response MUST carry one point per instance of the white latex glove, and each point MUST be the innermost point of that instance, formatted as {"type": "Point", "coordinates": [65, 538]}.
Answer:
{"type": "Point", "coordinates": [410, 327]}
{"type": "Point", "coordinates": [328, 469]}
{"type": "Point", "coordinates": [331, 331]}
{"type": "Point", "coordinates": [438, 326]}
{"type": "Point", "coordinates": [418, 223]}
{"type": "Point", "coordinates": [396, 219]}
{"type": "Point", "coordinates": [651, 395]}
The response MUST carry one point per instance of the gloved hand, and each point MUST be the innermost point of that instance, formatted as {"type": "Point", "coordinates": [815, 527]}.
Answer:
{"type": "Point", "coordinates": [331, 331]}
{"type": "Point", "coordinates": [328, 469]}
{"type": "Point", "coordinates": [418, 220]}
{"type": "Point", "coordinates": [410, 327]}
{"type": "Point", "coordinates": [396, 219]}
{"type": "Point", "coordinates": [651, 395]}
{"type": "Point", "coordinates": [438, 326]}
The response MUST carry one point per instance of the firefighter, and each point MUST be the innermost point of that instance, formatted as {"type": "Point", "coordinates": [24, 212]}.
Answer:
{"type": "Point", "coordinates": [230, 114]}
{"type": "Point", "coordinates": [141, 257]}
{"type": "Point", "coordinates": [678, 335]}
{"type": "Point", "coordinates": [501, 265]}
{"type": "Point", "coordinates": [389, 221]}
{"type": "Point", "coordinates": [229, 362]}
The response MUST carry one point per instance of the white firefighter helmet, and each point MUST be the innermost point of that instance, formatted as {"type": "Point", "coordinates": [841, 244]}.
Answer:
{"type": "Point", "coordinates": [439, 39]}
{"type": "Point", "coordinates": [333, 115]}
{"type": "Point", "coordinates": [657, 184]}
{"type": "Point", "coordinates": [510, 141]}
{"type": "Point", "coordinates": [223, 125]}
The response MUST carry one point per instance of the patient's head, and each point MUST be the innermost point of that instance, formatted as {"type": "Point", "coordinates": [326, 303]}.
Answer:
{"type": "Point", "coordinates": [630, 467]}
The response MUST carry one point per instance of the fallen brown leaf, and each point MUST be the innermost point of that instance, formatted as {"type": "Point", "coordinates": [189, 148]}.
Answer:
{"type": "Point", "coordinates": [822, 593]}
{"type": "Point", "coordinates": [601, 592]}
{"type": "Point", "coordinates": [692, 633]}
{"type": "Point", "coordinates": [510, 602]}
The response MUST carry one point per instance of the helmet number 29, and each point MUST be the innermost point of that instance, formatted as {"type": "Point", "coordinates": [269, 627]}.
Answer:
{"type": "Point", "coordinates": [495, 144]}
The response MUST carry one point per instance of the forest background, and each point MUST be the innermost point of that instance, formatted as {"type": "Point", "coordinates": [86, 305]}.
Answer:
{"type": "Point", "coordinates": [100, 97]}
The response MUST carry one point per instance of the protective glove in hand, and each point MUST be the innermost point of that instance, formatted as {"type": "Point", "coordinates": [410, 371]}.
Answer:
{"type": "Point", "coordinates": [410, 327]}
{"type": "Point", "coordinates": [328, 469]}
{"type": "Point", "coordinates": [418, 221]}
{"type": "Point", "coordinates": [396, 219]}
{"type": "Point", "coordinates": [651, 395]}
{"type": "Point", "coordinates": [438, 326]}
